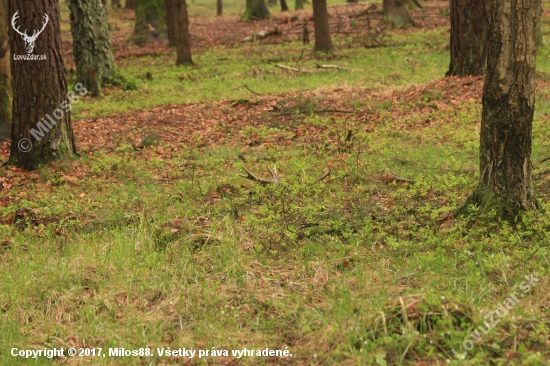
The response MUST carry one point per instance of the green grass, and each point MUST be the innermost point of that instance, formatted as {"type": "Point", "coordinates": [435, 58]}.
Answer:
{"type": "Point", "coordinates": [360, 268]}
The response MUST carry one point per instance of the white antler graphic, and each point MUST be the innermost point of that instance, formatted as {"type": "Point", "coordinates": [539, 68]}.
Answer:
{"type": "Point", "coordinates": [29, 41]}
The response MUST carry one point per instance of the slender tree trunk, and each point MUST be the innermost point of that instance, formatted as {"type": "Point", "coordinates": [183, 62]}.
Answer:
{"type": "Point", "coordinates": [182, 34]}
{"type": "Point", "coordinates": [469, 32]}
{"type": "Point", "coordinates": [41, 113]}
{"type": "Point", "coordinates": [396, 13]}
{"type": "Point", "coordinates": [150, 21]}
{"type": "Point", "coordinates": [171, 15]}
{"type": "Point", "coordinates": [284, 5]}
{"type": "Point", "coordinates": [298, 4]}
{"type": "Point", "coordinates": [505, 186]}
{"type": "Point", "coordinates": [219, 6]}
{"type": "Point", "coordinates": [323, 42]}
{"type": "Point", "coordinates": [131, 4]}
{"type": "Point", "coordinates": [5, 84]}
{"type": "Point", "coordinates": [92, 51]}
{"type": "Point", "coordinates": [255, 9]}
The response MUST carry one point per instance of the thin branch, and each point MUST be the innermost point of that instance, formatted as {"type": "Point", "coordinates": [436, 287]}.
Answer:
{"type": "Point", "coordinates": [331, 67]}
{"type": "Point", "coordinates": [292, 68]}
{"type": "Point", "coordinates": [246, 86]}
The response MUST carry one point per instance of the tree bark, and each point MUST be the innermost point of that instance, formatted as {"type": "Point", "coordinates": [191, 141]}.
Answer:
{"type": "Point", "coordinates": [131, 4]}
{"type": "Point", "coordinates": [5, 82]}
{"type": "Point", "coordinates": [219, 7]}
{"type": "Point", "coordinates": [150, 21]}
{"type": "Point", "coordinates": [284, 5]}
{"type": "Point", "coordinates": [505, 187]}
{"type": "Point", "coordinates": [41, 113]}
{"type": "Point", "coordinates": [396, 14]}
{"type": "Point", "coordinates": [323, 42]}
{"type": "Point", "coordinates": [255, 9]}
{"type": "Point", "coordinates": [298, 4]}
{"type": "Point", "coordinates": [182, 34]}
{"type": "Point", "coordinates": [469, 32]}
{"type": "Point", "coordinates": [171, 16]}
{"type": "Point", "coordinates": [92, 51]}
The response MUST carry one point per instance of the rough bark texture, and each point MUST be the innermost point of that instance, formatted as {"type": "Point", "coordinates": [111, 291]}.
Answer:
{"type": "Point", "coordinates": [5, 84]}
{"type": "Point", "coordinates": [92, 51]}
{"type": "Point", "coordinates": [131, 4]}
{"type": "Point", "coordinates": [171, 15]}
{"type": "Point", "coordinates": [255, 9]}
{"type": "Point", "coordinates": [219, 7]}
{"type": "Point", "coordinates": [41, 88]}
{"type": "Point", "coordinates": [508, 105]}
{"type": "Point", "coordinates": [298, 4]}
{"type": "Point", "coordinates": [284, 5]}
{"type": "Point", "coordinates": [323, 42]}
{"type": "Point", "coordinates": [469, 32]}
{"type": "Point", "coordinates": [182, 33]}
{"type": "Point", "coordinates": [150, 21]}
{"type": "Point", "coordinates": [396, 13]}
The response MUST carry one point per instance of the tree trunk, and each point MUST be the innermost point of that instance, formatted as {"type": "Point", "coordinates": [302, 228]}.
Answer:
{"type": "Point", "coordinates": [219, 6]}
{"type": "Point", "coordinates": [5, 85]}
{"type": "Point", "coordinates": [255, 9]}
{"type": "Point", "coordinates": [182, 34]}
{"type": "Point", "coordinates": [92, 51]}
{"type": "Point", "coordinates": [323, 42]}
{"type": "Point", "coordinates": [298, 4]}
{"type": "Point", "coordinates": [396, 13]}
{"type": "Point", "coordinates": [540, 42]}
{"type": "Point", "coordinates": [41, 110]}
{"type": "Point", "coordinates": [505, 187]}
{"type": "Point", "coordinates": [116, 4]}
{"type": "Point", "coordinates": [171, 15]}
{"type": "Point", "coordinates": [284, 5]}
{"type": "Point", "coordinates": [150, 21]}
{"type": "Point", "coordinates": [469, 32]}
{"type": "Point", "coordinates": [131, 4]}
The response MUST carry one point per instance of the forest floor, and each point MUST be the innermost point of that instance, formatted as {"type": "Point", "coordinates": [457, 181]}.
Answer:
{"type": "Point", "coordinates": [152, 239]}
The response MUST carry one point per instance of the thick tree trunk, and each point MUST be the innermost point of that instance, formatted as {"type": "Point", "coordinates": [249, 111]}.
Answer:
{"type": "Point", "coordinates": [182, 34]}
{"type": "Point", "coordinates": [396, 13]}
{"type": "Point", "coordinates": [255, 9]}
{"type": "Point", "coordinates": [508, 105]}
{"type": "Point", "coordinates": [469, 32]}
{"type": "Point", "coordinates": [92, 51]}
{"type": "Point", "coordinates": [298, 4]}
{"type": "Point", "coordinates": [219, 7]}
{"type": "Point", "coordinates": [131, 4]}
{"type": "Point", "coordinates": [284, 5]}
{"type": "Point", "coordinates": [171, 15]}
{"type": "Point", "coordinates": [5, 84]}
{"type": "Point", "coordinates": [150, 21]}
{"type": "Point", "coordinates": [323, 42]}
{"type": "Point", "coordinates": [41, 113]}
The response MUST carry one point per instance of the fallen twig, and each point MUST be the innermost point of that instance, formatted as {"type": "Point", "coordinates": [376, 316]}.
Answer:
{"type": "Point", "coordinates": [246, 86]}
{"type": "Point", "coordinates": [331, 67]}
{"type": "Point", "coordinates": [290, 68]}
{"type": "Point", "coordinates": [251, 176]}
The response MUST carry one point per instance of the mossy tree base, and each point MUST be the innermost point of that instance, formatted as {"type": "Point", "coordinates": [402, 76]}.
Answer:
{"type": "Point", "coordinates": [255, 9]}
{"type": "Point", "coordinates": [396, 14]}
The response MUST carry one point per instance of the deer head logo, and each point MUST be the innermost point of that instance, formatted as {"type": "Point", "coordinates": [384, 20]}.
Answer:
{"type": "Point", "coordinates": [29, 40]}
